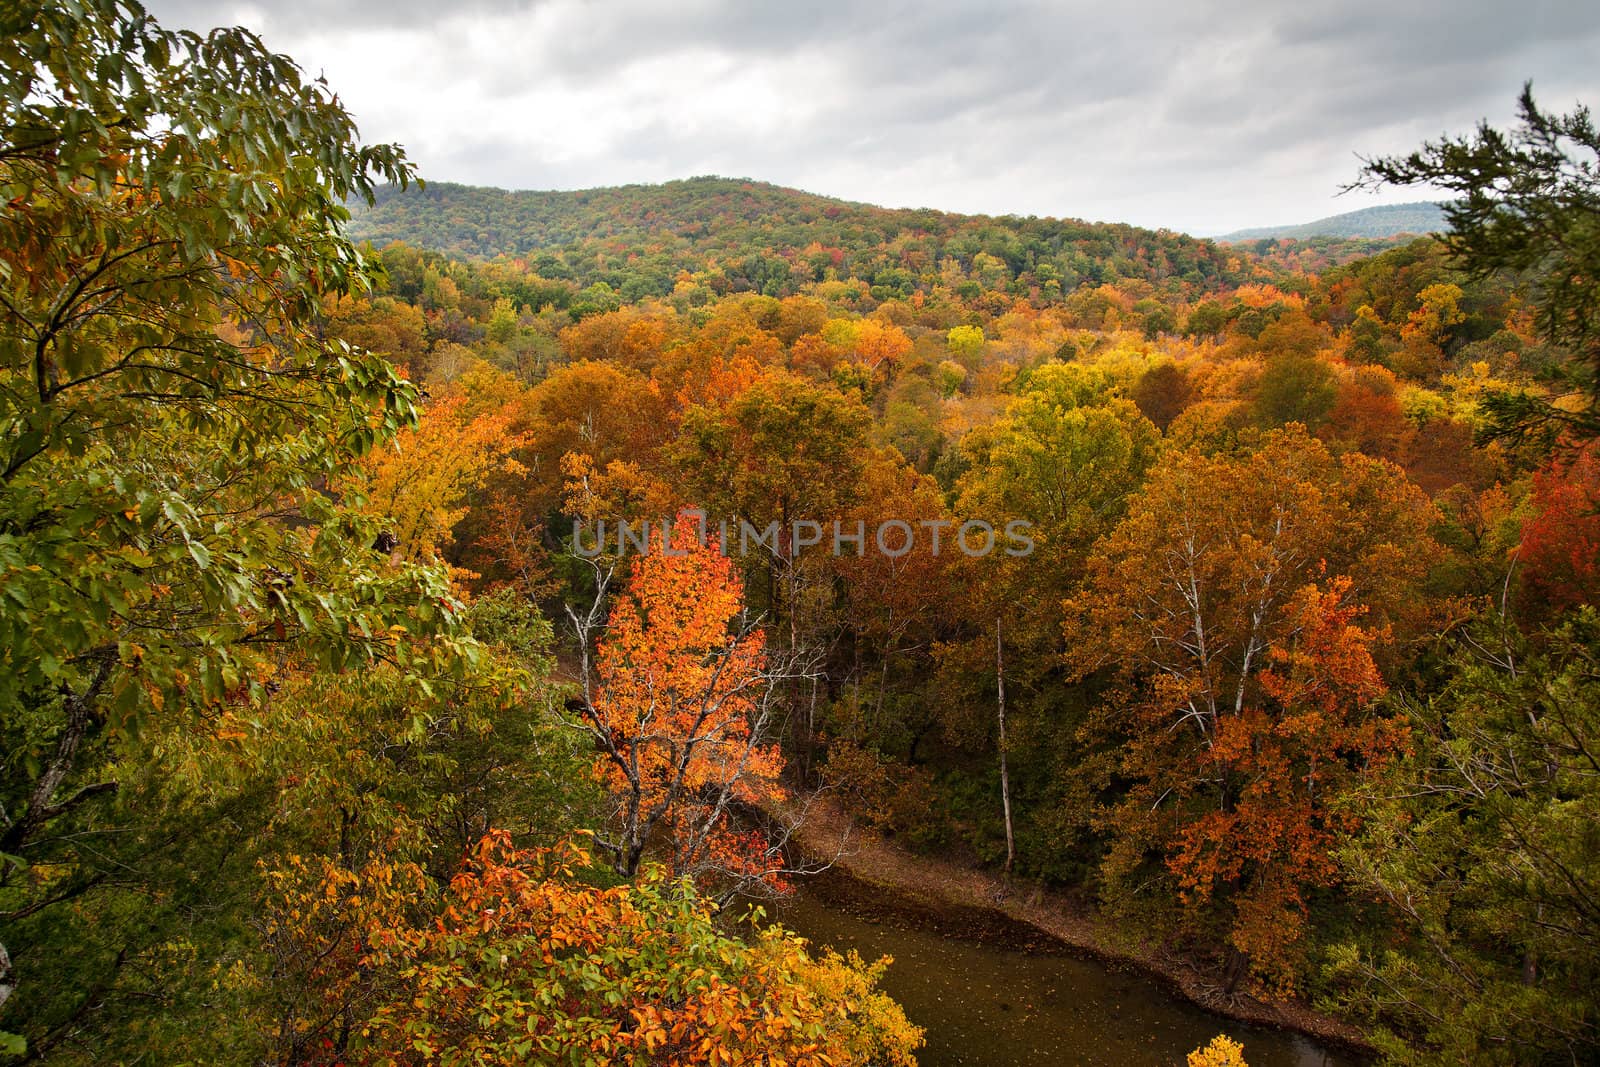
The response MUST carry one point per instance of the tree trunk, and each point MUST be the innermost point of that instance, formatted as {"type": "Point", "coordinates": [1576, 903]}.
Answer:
{"type": "Point", "coordinates": [1234, 970]}
{"type": "Point", "coordinates": [1005, 773]}
{"type": "Point", "coordinates": [1530, 956]}
{"type": "Point", "coordinates": [81, 711]}
{"type": "Point", "coordinates": [6, 982]}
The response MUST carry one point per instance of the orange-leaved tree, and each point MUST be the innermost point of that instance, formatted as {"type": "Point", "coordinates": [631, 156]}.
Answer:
{"type": "Point", "coordinates": [680, 699]}
{"type": "Point", "coordinates": [1232, 753]}
{"type": "Point", "coordinates": [518, 960]}
{"type": "Point", "coordinates": [1561, 543]}
{"type": "Point", "coordinates": [1282, 760]}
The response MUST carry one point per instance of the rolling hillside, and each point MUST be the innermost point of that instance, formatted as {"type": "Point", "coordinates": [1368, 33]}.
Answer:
{"type": "Point", "coordinates": [756, 237]}
{"type": "Point", "coordinates": [1392, 220]}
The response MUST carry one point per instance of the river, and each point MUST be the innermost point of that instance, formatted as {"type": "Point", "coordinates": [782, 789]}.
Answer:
{"type": "Point", "coordinates": [1013, 1007]}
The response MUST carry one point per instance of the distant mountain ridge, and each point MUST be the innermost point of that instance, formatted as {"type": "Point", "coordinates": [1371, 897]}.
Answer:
{"type": "Point", "coordinates": [742, 235]}
{"type": "Point", "coordinates": [1389, 220]}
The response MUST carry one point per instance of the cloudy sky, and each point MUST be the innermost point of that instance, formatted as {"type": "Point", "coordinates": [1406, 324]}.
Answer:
{"type": "Point", "coordinates": [1195, 116]}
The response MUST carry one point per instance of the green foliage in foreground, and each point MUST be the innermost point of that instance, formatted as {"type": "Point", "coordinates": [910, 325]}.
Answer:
{"type": "Point", "coordinates": [215, 675]}
{"type": "Point", "coordinates": [1485, 846]}
{"type": "Point", "coordinates": [1530, 204]}
{"type": "Point", "coordinates": [167, 410]}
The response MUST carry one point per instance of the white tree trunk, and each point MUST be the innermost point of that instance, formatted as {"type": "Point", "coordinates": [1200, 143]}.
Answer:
{"type": "Point", "coordinates": [1005, 774]}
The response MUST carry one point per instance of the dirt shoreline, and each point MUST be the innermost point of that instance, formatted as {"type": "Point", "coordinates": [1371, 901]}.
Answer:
{"type": "Point", "coordinates": [974, 905]}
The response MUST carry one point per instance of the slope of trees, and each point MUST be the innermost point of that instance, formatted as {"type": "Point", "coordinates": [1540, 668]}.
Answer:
{"type": "Point", "coordinates": [1268, 517]}
{"type": "Point", "coordinates": [619, 245]}
{"type": "Point", "coordinates": [1297, 640]}
{"type": "Point", "coordinates": [263, 759]}
{"type": "Point", "coordinates": [1387, 220]}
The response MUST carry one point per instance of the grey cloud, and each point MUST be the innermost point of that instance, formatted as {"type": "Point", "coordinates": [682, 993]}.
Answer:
{"type": "Point", "coordinates": [200, 15]}
{"type": "Point", "coordinates": [1193, 115]}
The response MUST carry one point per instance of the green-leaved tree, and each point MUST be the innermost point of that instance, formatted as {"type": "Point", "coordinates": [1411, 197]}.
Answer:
{"type": "Point", "coordinates": [1528, 202]}
{"type": "Point", "coordinates": [170, 223]}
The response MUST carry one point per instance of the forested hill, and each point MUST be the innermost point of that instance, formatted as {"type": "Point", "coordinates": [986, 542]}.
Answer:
{"type": "Point", "coordinates": [1384, 221]}
{"type": "Point", "coordinates": [751, 236]}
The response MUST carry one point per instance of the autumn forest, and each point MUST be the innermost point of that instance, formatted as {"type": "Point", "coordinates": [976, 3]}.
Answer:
{"type": "Point", "coordinates": [330, 732]}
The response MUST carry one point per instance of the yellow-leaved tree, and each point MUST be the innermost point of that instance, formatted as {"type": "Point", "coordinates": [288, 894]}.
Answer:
{"type": "Point", "coordinates": [1223, 1051]}
{"type": "Point", "coordinates": [519, 960]}
{"type": "Point", "coordinates": [420, 485]}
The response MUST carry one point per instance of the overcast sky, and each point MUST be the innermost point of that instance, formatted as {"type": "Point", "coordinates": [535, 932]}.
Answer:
{"type": "Point", "coordinates": [1198, 116]}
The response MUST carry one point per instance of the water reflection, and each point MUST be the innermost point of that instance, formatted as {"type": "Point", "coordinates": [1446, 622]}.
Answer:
{"type": "Point", "coordinates": [1008, 1008]}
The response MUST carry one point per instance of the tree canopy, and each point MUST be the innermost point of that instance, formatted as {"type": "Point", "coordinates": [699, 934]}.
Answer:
{"type": "Point", "coordinates": [1528, 202]}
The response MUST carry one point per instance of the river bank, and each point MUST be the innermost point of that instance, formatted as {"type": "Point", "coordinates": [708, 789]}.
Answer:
{"type": "Point", "coordinates": [873, 873]}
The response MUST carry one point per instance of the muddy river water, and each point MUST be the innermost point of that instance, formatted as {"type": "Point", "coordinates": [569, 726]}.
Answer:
{"type": "Point", "coordinates": [1020, 1007]}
